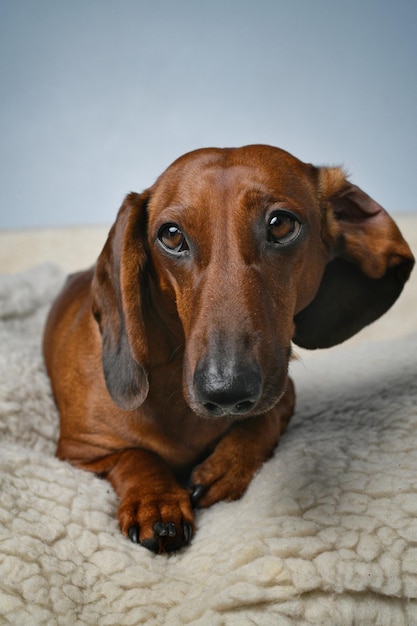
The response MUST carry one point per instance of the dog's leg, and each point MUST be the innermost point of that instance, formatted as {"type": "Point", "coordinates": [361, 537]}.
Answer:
{"type": "Point", "coordinates": [154, 510]}
{"type": "Point", "coordinates": [227, 472]}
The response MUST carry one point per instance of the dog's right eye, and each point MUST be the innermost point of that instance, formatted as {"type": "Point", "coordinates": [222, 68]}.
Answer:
{"type": "Point", "coordinates": [283, 228]}
{"type": "Point", "coordinates": [172, 238]}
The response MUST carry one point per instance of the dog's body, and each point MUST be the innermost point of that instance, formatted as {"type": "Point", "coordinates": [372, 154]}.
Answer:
{"type": "Point", "coordinates": [169, 358]}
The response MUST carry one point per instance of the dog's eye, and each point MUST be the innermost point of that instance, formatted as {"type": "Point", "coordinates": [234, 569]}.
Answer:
{"type": "Point", "coordinates": [283, 227]}
{"type": "Point", "coordinates": [172, 238]}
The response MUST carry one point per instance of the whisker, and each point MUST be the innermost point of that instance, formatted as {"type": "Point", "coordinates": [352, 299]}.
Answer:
{"type": "Point", "coordinates": [175, 352]}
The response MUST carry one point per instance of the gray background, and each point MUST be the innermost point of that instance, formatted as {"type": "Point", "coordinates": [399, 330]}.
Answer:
{"type": "Point", "coordinates": [99, 96]}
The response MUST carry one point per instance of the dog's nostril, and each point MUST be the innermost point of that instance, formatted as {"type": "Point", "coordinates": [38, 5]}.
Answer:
{"type": "Point", "coordinates": [213, 409]}
{"type": "Point", "coordinates": [243, 407]}
{"type": "Point", "coordinates": [238, 409]}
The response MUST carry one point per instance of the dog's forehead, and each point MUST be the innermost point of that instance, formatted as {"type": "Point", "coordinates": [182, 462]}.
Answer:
{"type": "Point", "coordinates": [230, 171]}
{"type": "Point", "coordinates": [255, 156]}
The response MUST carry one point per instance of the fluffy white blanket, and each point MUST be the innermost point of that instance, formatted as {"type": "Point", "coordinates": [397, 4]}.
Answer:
{"type": "Point", "coordinates": [326, 533]}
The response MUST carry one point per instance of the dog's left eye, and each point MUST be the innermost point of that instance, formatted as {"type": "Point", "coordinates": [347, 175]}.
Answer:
{"type": "Point", "coordinates": [283, 227]}
{"type": "Point", "coordinates": [172, 238]}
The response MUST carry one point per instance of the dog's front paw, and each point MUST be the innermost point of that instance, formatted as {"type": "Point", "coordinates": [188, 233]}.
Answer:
{"type": "Point", "coordinates": [163, 524]}
{"type": "Point", "coordinates": [220, 478]}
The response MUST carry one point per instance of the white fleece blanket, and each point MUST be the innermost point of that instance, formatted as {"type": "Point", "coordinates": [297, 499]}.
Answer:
{"type": "Point", "coordinates": [326, 533]}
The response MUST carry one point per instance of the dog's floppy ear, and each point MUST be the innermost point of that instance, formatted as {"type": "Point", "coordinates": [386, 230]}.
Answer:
{"type": "Point", "coordinates": [117, 304]}
{"type": "Point", "coordinates": [370, 264]}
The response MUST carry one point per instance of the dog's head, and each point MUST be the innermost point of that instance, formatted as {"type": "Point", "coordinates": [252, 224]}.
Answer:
{"type": "Point", "coordinates": [236, 253]}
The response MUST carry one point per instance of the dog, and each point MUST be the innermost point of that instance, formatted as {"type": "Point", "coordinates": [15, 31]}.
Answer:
{"type": "Point", "coordinates": [169, 359]}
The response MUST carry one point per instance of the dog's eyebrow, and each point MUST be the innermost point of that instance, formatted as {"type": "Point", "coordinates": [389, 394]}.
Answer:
{"type": "Point", "coordinates": [174, 212]}
{"type": "Point", "coordinates": [267, 198]}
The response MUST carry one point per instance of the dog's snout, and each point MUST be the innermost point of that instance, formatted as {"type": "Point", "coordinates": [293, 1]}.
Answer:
{"type": "Point", "coordinates": [227, 389]}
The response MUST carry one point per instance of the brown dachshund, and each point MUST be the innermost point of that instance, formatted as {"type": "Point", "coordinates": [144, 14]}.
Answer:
{"type": "Point", "coordinates": [169, 358]}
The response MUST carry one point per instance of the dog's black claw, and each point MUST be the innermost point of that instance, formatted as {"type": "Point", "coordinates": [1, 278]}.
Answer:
{"type": "Point", "coordinates": [188, 533]}
{"type": "Point", "coordinates": [160, 529]}
{"type": "Point", "coordinates": [133, 533]}
{"type": "Point", "coordinates": [165, 530]}
{"type": "Point", "coordinates": [165, 538]}
{"type": "Point", "coordinates": [197, 492]}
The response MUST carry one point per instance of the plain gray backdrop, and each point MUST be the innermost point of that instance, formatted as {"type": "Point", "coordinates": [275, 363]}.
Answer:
{"type": "Point", "coordinates": [99, 96]}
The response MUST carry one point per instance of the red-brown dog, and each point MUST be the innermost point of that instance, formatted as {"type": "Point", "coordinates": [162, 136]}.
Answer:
{"type": "Point", "coordinates": [169, 358]}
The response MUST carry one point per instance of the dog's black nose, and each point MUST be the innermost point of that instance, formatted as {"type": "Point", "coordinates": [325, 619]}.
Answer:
{"type": "Point", "coordinates": [227, 388]}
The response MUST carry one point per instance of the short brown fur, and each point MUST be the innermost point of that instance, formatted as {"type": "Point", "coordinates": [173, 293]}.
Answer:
{"type": "Point", "coordinates": [171, 366]}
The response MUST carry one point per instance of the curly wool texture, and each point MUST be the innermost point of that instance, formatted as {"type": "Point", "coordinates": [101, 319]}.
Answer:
{"type": "Point", "coordinates": [326, 533]}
